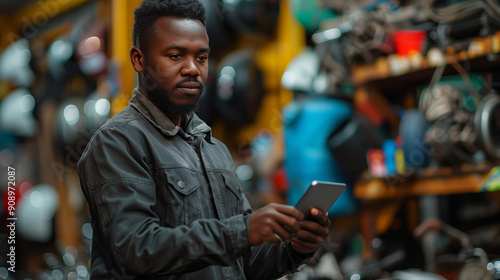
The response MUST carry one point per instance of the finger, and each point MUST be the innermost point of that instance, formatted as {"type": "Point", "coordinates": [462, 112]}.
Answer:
{"type": "Point", "coordinates": [311, 231]}
{"type": "Point", "coordinates": [314, 227]}
{"type": "Point", "coordinates": [287, 222]}
{"type": "Point", "coordinates": [289, 210]}
{"type": "Point", "coordinates": [281, 232]}
{"type": "Point", "coordinates": [309, 238]}
{"type": "Point", "coordinates": [305, 244]}
{"type": "Point", "coordinates": [303, 247]}
{"type": "Point", "coordinates": [320, 216]}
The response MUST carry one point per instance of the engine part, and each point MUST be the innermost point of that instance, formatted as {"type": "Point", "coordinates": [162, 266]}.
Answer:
{"type": "Point", "coordinates": [487, 125]}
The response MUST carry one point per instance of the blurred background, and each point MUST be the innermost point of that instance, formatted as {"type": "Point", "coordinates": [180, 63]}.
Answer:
{"type": "Point", "coordinates": [397, 99]}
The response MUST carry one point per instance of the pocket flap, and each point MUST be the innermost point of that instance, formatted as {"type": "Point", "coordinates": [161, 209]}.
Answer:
{"type": "Point", "coordinates": [184, 181]}
{"type": "Point", "coordinates": [231, 181]}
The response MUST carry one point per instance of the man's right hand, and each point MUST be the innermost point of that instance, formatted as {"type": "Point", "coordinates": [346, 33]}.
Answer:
{"type": "Point", "coordinates": [272, 220]}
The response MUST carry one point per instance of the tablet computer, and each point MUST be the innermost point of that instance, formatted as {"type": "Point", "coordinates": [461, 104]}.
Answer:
{"type": "Point", "coordinates": [321, 195]}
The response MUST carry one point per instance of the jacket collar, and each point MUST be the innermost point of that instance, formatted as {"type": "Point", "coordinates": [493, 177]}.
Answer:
{"type": "Point", "coordinates": [191, 122]}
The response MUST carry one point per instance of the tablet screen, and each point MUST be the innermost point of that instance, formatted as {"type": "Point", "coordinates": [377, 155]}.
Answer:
{"type": "Point", "coordinates": [321, 195]}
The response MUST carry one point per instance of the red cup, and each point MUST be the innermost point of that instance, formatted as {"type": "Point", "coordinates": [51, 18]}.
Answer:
{"type": "Point", "coordinates": [408, 42]}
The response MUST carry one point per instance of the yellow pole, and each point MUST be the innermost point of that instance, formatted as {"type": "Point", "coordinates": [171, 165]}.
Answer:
{"type": "Point", "coordinates": [273, 58]}
{"type": "Point", "coordinates": [122, 13]}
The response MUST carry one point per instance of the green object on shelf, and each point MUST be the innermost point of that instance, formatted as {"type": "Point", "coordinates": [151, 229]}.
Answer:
{"type": "Point", "coordinates": [492, 181]}
{"type": "Point", "coordinates": [477, 83]}
{"type": "Point", "coordinates": [310, 14]}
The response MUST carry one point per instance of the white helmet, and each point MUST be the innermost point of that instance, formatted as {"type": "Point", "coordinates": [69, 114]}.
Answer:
{"type": "Point", "coordinates": [16, 113]}
{"type": "Point", "coordinates": [301, 72]}
{"type": "Point", "coordinates": [15, 64]}
{"type": "Point", "coordinates": [35, 211]}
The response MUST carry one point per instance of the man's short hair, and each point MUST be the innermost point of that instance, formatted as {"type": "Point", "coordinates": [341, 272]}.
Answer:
{"type": "Point", "coordinates": [150, 10]}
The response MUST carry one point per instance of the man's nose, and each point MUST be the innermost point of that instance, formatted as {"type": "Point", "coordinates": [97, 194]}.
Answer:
{"type": "Point", "coordinates": [190, 68]}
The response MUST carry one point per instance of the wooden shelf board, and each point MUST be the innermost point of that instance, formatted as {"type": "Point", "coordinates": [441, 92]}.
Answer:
{"type": "Point", "coordinates": [442, 181]}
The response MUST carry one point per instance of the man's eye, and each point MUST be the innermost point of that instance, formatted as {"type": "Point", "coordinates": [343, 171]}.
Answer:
{"type": "Point", "coordinates": [202, 58]}
{"type": "Point", "coordinates": [175, 56]}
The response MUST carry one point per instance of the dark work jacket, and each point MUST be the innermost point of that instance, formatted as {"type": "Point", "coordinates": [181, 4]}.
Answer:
{"type": "Point", "coordinates": [165, 203]}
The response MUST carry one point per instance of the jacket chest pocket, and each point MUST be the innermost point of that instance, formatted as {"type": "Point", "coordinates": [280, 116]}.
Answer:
{"type": "Point", "coordinates": [183, 197]}
{"type": "Point", "coordinates": [231, 194]}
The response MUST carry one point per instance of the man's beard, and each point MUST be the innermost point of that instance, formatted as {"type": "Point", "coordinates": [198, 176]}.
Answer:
{"type": "Point", "coordinates": [163, 101]}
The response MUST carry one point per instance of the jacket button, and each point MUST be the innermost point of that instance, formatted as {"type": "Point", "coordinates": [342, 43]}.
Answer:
{"type": "Point", "coordinates": [181, 184]}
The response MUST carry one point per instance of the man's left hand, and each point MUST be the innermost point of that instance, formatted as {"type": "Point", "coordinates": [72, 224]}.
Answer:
{"type": "Point", "coordinates": [312, 233]}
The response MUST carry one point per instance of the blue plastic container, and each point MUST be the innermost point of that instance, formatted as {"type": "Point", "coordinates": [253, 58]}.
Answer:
{"type": "Point", "coordinates": [308, 124]}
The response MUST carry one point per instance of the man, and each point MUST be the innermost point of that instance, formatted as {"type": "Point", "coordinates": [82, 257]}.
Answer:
{"type": "Point", "coordinates": [163, 195]}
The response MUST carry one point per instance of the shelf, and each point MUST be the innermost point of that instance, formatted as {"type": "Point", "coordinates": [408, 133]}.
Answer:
{"type": "Point", "coordinates": [439, 181]}
{"type": "Point", "coordinates": [482, 54]}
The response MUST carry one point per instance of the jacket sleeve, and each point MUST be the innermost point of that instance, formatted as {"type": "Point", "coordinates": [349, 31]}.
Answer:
{"type": "Point", "coordinates": [271, 261]}
{"type": "Point", "coordinates": [117, 181]}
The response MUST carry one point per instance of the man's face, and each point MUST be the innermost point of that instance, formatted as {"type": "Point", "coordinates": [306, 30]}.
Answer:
{"type": "Point", "coordinates": [176, 64]}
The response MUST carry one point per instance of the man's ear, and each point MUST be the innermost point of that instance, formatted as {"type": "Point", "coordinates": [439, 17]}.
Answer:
{"type": "Point", "coordinates": [137, 59]}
